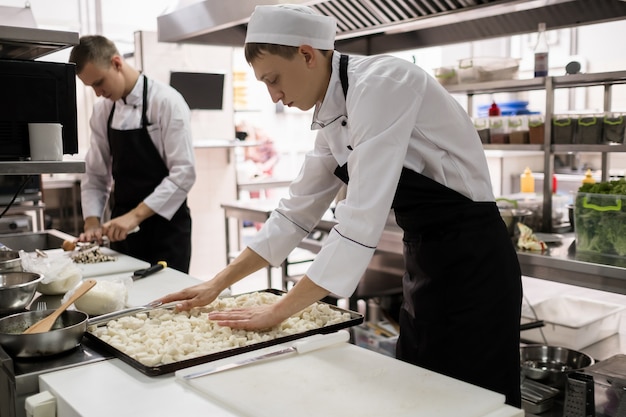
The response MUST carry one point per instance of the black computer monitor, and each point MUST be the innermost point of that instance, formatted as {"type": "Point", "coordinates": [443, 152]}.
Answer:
{"type": "Point", "coordinates": [201, 90]}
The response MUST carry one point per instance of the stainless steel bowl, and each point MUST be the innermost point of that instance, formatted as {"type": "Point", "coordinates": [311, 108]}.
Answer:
{"type": "Point", "coordinates": [17, 289]}
{"type": "Point", "coordinates": [513, 216]}
{"type": "Point", "coordinates": [66, 333]}
{"type": "Point", "coordinates": [551, 364]}
{"type": "Point", "coordinates": [10, 260]}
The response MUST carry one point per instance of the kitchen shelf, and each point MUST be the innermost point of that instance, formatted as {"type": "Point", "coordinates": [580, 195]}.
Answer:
{"type": "Point", "coordinates": [548, 149]}
{"type": "Point", "coordinates": [41, 167]}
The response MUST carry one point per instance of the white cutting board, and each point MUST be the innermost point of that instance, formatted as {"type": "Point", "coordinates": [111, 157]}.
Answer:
{"type": "Point", "coordinates": [341, 380]}
{"type": "Point", "coordinates": [123, 263]}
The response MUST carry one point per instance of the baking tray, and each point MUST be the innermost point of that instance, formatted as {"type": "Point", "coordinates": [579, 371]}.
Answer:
{"type": "Point", "coordinates": [355, 319]}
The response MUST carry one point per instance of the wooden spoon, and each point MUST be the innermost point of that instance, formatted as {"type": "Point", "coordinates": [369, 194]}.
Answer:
{"type": "Point", "coordinates": [46, 323]}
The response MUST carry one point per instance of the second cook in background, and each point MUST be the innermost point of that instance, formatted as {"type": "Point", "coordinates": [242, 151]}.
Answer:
{"type": "Point", "coordinates": [399, 140]}
{"type": "Point", "coordinates": [140, 155]}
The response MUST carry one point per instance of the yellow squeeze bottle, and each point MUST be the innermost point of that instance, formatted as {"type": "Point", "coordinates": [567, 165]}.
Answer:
{"type": "Point", "coordinates": [588, 178]}
{"type": "Point", "coordinates": [527, 183]}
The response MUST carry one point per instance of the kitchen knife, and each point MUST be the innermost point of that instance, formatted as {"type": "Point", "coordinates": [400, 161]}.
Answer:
{"type": "Point", "coordinates": [308, 344]}
{"type": "Point", "coordinates": [104, 318]}
{"type": "Point", "coordinates": [142, 273]}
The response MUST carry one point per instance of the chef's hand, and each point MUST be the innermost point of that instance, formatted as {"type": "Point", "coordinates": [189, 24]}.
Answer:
{"type": "Point", "coordinates": [196, 296]}
{"type": "Point", "coordinates": [93, 231]}
{"type": "Point", "coordinates": [118, 228]}
{"type": "Point", "coordinates": [252, 318]}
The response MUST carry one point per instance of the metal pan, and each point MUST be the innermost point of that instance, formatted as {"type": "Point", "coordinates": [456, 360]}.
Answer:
{"type": "Point", "coordinates": [355, 319]}
{"type": "Point", "coordinates": [66, 333]}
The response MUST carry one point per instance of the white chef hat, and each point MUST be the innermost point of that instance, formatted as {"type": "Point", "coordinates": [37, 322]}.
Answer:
{"type": "Point", "coordinates": [291, 25]}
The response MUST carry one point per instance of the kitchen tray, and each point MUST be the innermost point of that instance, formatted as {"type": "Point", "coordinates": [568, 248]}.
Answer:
{"type": "Point", "coordinates": [355, 319]}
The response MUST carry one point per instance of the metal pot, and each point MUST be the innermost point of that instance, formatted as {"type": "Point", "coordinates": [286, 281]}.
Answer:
{"type": "Point", "coordinates": [10, 261]}
{"type": "Point", "coordinates": [17, 289]}
{"type": "Point", "coordinates": [66, 333]}
{"type": "Point", "coordinates": [551, 364]}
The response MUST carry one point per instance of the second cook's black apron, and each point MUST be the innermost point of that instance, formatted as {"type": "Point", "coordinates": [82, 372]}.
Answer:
{"type": "Point", "coordinates": [137, 170]}
{"type": "Point", "coordinates": [462, 286]}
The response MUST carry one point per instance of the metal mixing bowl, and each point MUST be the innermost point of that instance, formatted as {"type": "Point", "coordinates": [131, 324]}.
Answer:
{"type": "Point", "coordinates": [10, 260]}
{"type": "Point", "coordinates": [513, 216]}
{"type": "Point", "coordinates": [66, 333]}
{"type": "Point", "coordinates": [551, 364]}
{"type": "Point", "coordinates": [17, 289]}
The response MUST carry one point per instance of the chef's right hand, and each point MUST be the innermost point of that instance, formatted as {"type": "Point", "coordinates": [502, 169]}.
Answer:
{"type": "Point", "coordinates": [196, 296]}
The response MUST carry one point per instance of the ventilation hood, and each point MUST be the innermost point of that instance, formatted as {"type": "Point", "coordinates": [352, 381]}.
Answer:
{"type": "Point", "coordinates": [21, 39]}
{"type": "Point", "coordinates": [379, 26]}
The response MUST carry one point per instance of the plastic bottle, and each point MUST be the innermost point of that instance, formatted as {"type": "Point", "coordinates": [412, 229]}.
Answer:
{"type": "Point", "coordinates": [494, 110]}
{"type": "Point", "coordinates": [527, 183]}
{"type": "Point", "coordinates": [588, 178]}
{"type": "Point", "coordinates": [541, 52]}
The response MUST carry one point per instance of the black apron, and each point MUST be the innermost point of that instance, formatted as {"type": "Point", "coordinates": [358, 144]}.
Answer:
{"type": "Point", "coordinates": [462, 284]}
{"type": "Point", "coordinates": [137, 170]}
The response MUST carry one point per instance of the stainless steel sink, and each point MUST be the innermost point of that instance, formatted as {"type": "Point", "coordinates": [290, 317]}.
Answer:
{"type": "Point", "coordinates": [46, 239]}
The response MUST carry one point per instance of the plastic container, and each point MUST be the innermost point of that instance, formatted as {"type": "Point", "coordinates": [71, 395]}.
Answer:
{"type": "Point", "coordinates": [572, 322]}
{"type": "Point", "coordinates": [600, 223]}
{"type": "Point", "coordinates": [498, 130]}
{"type": "Point", "coordinates": [507, 108]}
{"type": "Point", "coordinates": [446, 75]}
{"type": "Point", "coordinates": [609, 378]}
{"type": "Point", "coordinates": [536, 129]}
{"type": "Point", "coordinates": [481, 69]}
{"type": "Point", "coordinates": [563, 129]}
{"type": "Point", "coordinates": [482, 127]}
{"type": "Point", "coordinates": [518, 128]}
{"type": "Point", "coordinates": [367, 338]}
{"type": "Point", "coordinates": [613, 128]}
{"type": "Point", "coordinates": [589, 129]}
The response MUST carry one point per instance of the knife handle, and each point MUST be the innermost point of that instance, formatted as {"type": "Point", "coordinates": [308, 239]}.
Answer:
{"type": "Point", "coordinates": [142, 273]}
{"type": "Point", "coordinates": [319, 341]}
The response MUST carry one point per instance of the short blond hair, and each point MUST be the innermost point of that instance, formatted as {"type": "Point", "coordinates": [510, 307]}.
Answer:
{"type": "Point", "coordinates": [95, 49]}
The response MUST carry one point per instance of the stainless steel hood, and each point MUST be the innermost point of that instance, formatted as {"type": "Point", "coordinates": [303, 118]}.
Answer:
{"type": "Point", "coordinates": [31, 43]}
{"type": "Point", "coordinates": [21, 39]}
{"type": "Point", "coordinates": [380, 26]}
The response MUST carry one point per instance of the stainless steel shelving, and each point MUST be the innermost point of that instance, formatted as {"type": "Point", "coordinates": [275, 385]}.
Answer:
{"type": "Point", "coordinates": [41, 167]}
{"type": "Point", "coordinates": [560, 263]}
{"type": "Point", "coordinates": [549, 84]}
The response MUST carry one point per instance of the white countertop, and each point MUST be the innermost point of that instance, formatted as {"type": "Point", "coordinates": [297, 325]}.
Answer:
{"type": "Point", "coordinates": [113, 387]}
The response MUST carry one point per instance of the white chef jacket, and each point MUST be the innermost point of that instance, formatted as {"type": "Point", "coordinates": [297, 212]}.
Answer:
{"type": "Point", "coordinates": [395, 115]}
{"type": "Point", "coordinates": [170, 132]}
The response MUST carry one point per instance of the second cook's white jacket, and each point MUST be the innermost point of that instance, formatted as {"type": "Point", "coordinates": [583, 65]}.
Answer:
{"type": "Point", "coordinates": [395, 115]}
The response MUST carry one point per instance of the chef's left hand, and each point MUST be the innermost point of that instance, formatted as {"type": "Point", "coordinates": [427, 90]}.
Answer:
{"type": "Point", "coordinates": [252, 318]}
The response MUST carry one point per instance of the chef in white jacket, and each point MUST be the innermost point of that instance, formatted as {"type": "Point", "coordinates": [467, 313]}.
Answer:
{"type": "Point", "coordinates": [398, 140]}
{"type": "Point", "coordinates": [140, 155]}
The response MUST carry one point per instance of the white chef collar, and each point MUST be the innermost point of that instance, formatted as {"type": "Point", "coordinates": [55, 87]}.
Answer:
{"type": "Point", "coordinates": [291, 25]}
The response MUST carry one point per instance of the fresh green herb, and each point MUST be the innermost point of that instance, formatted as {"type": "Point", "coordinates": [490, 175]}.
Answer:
{"type": "Point", "coordinates": [601, 219]}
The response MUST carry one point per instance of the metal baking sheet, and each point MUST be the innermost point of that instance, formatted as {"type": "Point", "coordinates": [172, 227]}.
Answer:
{"type": "Point", "coordinates": [355, 319]}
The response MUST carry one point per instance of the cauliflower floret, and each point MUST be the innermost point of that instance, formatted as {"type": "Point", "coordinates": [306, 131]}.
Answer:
{"type": "Point", "coordinates": [164, 336]}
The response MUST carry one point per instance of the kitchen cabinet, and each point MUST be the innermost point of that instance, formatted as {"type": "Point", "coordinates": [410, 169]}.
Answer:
{"type": "Point", "coordinates": [561, 263]}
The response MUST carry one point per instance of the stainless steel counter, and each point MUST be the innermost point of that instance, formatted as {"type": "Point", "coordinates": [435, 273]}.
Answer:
{"type": "Point", "coordinates": [562, 263]}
